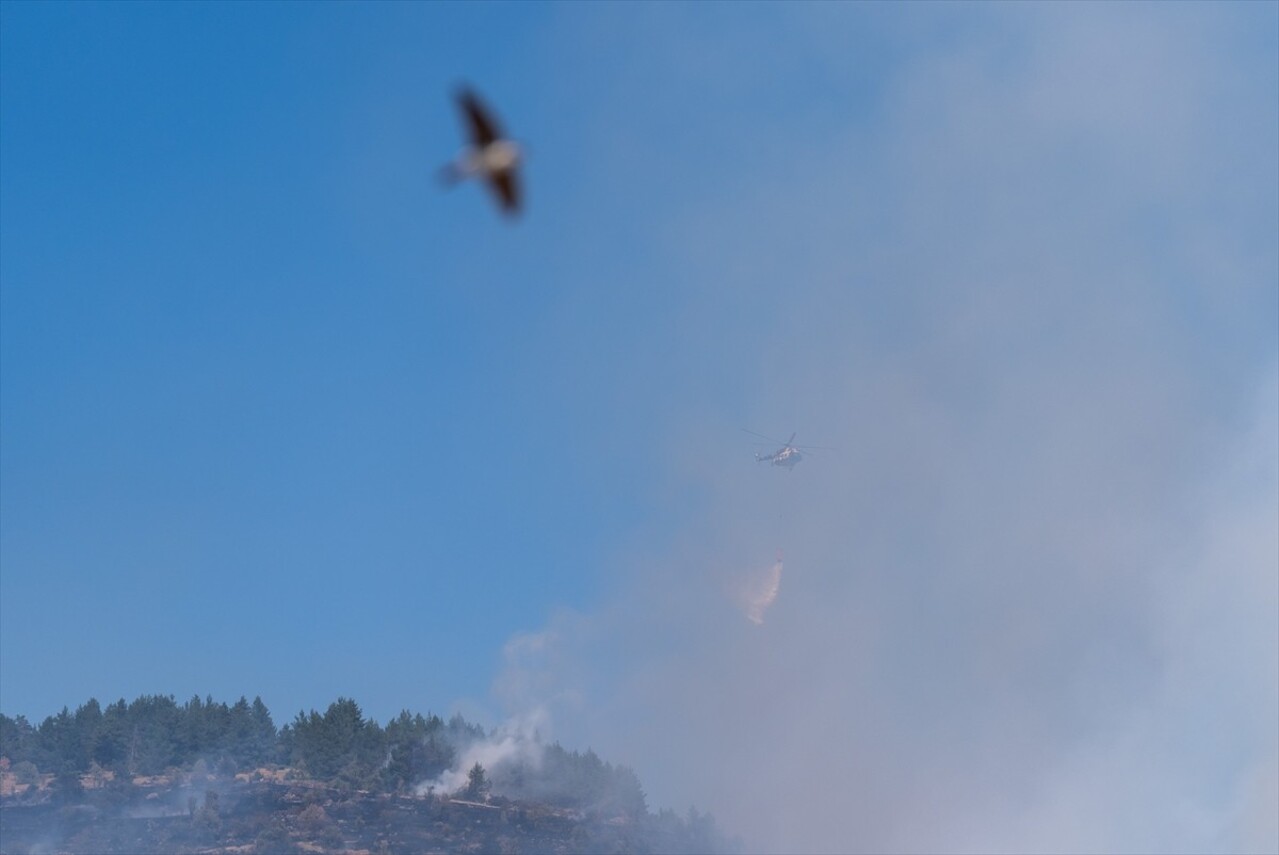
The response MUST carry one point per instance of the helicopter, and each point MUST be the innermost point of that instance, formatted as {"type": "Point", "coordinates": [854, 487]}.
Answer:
{"type": "Point", "coordinates": [788, 455]}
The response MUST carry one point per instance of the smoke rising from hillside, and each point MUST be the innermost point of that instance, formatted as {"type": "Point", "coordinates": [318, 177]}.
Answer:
{"type": "Point", "coordinates": [516, 743]}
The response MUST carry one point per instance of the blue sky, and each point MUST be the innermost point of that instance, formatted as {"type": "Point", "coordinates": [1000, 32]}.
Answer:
{"type": "Point", "coordinates": [279, 416]}
{"type": "Point", "coordinates": [272, 401]}
{"type": "Point", "coordinates": [267, 388]}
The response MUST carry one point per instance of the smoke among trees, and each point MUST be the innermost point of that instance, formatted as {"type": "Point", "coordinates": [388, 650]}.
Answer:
{"type": "Point", "coordinates": [154, 734]}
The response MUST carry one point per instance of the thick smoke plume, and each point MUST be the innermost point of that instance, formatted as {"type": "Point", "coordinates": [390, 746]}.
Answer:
{"type": "Point", "coordinates": [1029, 293]}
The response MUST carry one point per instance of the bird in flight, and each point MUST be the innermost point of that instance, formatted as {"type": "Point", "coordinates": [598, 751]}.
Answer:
{"type": "Point", "coordinates": [490, 155]}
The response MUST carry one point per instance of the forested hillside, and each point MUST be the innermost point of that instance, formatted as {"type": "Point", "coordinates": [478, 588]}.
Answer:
{"type": "Point", "coordinates": [209, 776]}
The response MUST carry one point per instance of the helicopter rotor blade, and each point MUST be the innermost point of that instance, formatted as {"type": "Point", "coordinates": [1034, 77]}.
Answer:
{"type": "Point", "coordinates": [761, 436]}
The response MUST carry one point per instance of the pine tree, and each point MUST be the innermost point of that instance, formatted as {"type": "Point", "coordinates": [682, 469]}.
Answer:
{"type": "Point", "coordinates": [477, 786]}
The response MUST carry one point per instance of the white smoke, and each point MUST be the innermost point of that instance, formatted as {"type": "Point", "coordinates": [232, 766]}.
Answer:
{"type": "Point", "coordinates": [517, 742]}
{"type": "Point", "coordinates": [531, 689]}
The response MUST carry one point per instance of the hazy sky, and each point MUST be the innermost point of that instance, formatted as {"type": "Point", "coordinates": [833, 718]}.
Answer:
{"type": "Point", "coordinates": [279, 416]}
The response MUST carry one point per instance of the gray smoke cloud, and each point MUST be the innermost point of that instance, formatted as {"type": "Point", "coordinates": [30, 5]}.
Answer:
{"type": "Point", "coordinates": [513, 744]}
{"type": "Point", "coordinates": [1031, 603]}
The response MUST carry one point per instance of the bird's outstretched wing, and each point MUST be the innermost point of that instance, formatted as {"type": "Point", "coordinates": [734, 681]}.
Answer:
{"type": "Point", "coordinates": [506, 187]}
{"type": "Point", "coordinates": [479, 120]}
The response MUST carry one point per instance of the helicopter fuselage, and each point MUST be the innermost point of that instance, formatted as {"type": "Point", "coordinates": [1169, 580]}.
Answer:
{"type": "Point", "coordinates": [787, 457]}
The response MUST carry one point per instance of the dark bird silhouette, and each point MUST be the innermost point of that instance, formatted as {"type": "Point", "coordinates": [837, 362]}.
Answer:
{"type": "Point", "coordinates": [490, 155]}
